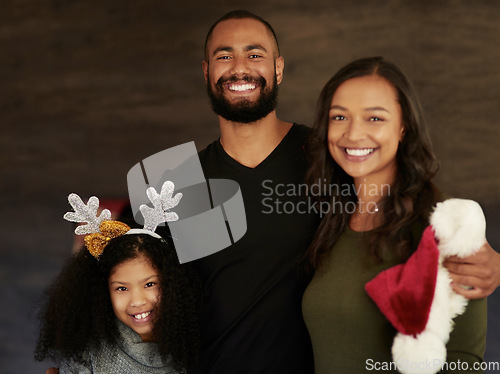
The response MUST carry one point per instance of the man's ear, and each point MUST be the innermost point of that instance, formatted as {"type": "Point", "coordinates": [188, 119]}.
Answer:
{"type": "Point", "coordinates": [204, 66]}
{"type": "Point", "coordinates": [280, 66]}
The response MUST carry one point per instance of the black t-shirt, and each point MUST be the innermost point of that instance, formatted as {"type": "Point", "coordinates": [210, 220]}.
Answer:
{"type": "Point", "coordinates": [252, 320]}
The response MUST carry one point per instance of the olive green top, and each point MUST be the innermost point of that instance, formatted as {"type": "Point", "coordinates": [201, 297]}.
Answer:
{"type": "Point", "coordinates": [348, 332]}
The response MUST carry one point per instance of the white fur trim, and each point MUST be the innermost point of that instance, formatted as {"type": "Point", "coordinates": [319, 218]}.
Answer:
{"type": "Point", "coordinates": [424, 354]}
{"type": "Point", "coordinates": [459, 226]}
{"type": "Point", "coordinates": [427, 352]}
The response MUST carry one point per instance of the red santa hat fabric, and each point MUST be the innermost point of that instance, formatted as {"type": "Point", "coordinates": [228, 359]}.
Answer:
{"type": "Point", "coordinates": [404, 293]}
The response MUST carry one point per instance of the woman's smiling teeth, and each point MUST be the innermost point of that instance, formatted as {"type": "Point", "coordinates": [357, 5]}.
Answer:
{"type": "Point", "coordinates": [359, 151]}
{"type": "Point", "coordinates": [142, 315]}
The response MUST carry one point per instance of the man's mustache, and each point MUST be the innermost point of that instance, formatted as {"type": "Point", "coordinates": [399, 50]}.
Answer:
{"type": "Point", "coordinates": [238, 78]}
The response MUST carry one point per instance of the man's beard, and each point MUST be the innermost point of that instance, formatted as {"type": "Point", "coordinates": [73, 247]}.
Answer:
{"type": "Point", "coordinates": [243, 111]}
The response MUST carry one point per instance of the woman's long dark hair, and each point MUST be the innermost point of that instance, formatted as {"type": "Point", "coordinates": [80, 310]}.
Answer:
{"type": "Point", "coordinates": [411, 196]}
{"type": "Point", "coordinates": [78, 316]}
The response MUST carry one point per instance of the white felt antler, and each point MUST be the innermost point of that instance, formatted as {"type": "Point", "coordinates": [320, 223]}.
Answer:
{"type": "Point", "coordinates": [86, 213]}
{"type": "Point", "coordinates": [162, 203]}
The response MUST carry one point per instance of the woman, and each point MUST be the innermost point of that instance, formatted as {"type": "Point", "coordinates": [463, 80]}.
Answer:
{"type": "Point", "coordinates": [371, 143]}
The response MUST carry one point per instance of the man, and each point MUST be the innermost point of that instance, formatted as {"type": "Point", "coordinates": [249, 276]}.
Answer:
{"type": "Point", "coordinates": [252, 320]}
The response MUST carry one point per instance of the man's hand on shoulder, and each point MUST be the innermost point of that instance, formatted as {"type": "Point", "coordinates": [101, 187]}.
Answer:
{"type": "Point", "coordinates": [480, 271]}
{"type": "Point", "coordinates": [52, 371]}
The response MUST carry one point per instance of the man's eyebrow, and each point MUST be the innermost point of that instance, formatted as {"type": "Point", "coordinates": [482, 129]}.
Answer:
{"type": "Point", "coordinates": [222, 49]}
{"type": "Point", "coordinates": [255, 46]}
{"type": "Point", "coordinates": [248, 48]}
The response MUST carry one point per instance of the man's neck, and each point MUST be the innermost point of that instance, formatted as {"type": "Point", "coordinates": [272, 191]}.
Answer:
{"type": "Point", "coordinates": [250, 144]}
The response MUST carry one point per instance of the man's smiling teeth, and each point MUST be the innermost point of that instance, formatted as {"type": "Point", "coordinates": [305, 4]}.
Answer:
{"type": "Point", "coordinates": [141, 316]}
{"type": "Point", "coordinates": [242, 87]}
{"type": "Point", "coordinates": [358, 151]}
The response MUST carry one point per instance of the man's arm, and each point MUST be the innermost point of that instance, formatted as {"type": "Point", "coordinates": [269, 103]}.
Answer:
{"type": "Point", "coordinates": [480, 271]}
{"type": "Point", "coordinates": [52, 371]}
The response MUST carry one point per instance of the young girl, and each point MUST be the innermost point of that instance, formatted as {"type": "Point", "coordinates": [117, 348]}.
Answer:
{"type": "Point", "coordinates": [371, 142]}
{"type": "Point", "coordinates": [129, 309]}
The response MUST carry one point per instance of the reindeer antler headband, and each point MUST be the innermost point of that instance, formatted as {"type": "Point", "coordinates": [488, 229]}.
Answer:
{"type": "Point", "coordinates": [101, 229]}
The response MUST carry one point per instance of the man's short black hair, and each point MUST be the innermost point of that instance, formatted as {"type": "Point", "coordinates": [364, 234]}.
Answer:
{"type": "Point", "coordinates": [241, 14]}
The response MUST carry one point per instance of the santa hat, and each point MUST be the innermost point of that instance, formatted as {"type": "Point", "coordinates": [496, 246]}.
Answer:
{"type": "Point", "coordinates": [417, 298]}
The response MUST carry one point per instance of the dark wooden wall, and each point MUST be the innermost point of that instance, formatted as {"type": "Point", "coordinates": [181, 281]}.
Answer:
{"type": "Point", "coordinates": [91, 87]}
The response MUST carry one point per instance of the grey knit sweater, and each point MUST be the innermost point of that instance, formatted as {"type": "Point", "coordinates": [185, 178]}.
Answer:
{"type": "Point", "coordinates": [130, 355]}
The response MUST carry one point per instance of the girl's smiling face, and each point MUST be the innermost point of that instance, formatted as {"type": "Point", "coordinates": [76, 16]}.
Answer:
{"type": "Point", "coordinates": [365, 128]}
{"type": "Point", "coordinates": [134, 289]}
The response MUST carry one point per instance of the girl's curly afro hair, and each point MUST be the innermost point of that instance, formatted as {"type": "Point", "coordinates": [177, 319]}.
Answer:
{"type": "Point", "coordinates": [77, 312]}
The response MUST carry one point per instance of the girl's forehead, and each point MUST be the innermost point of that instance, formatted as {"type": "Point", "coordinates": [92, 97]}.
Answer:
{"type": "Point", "coordinates": [134, 268]}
